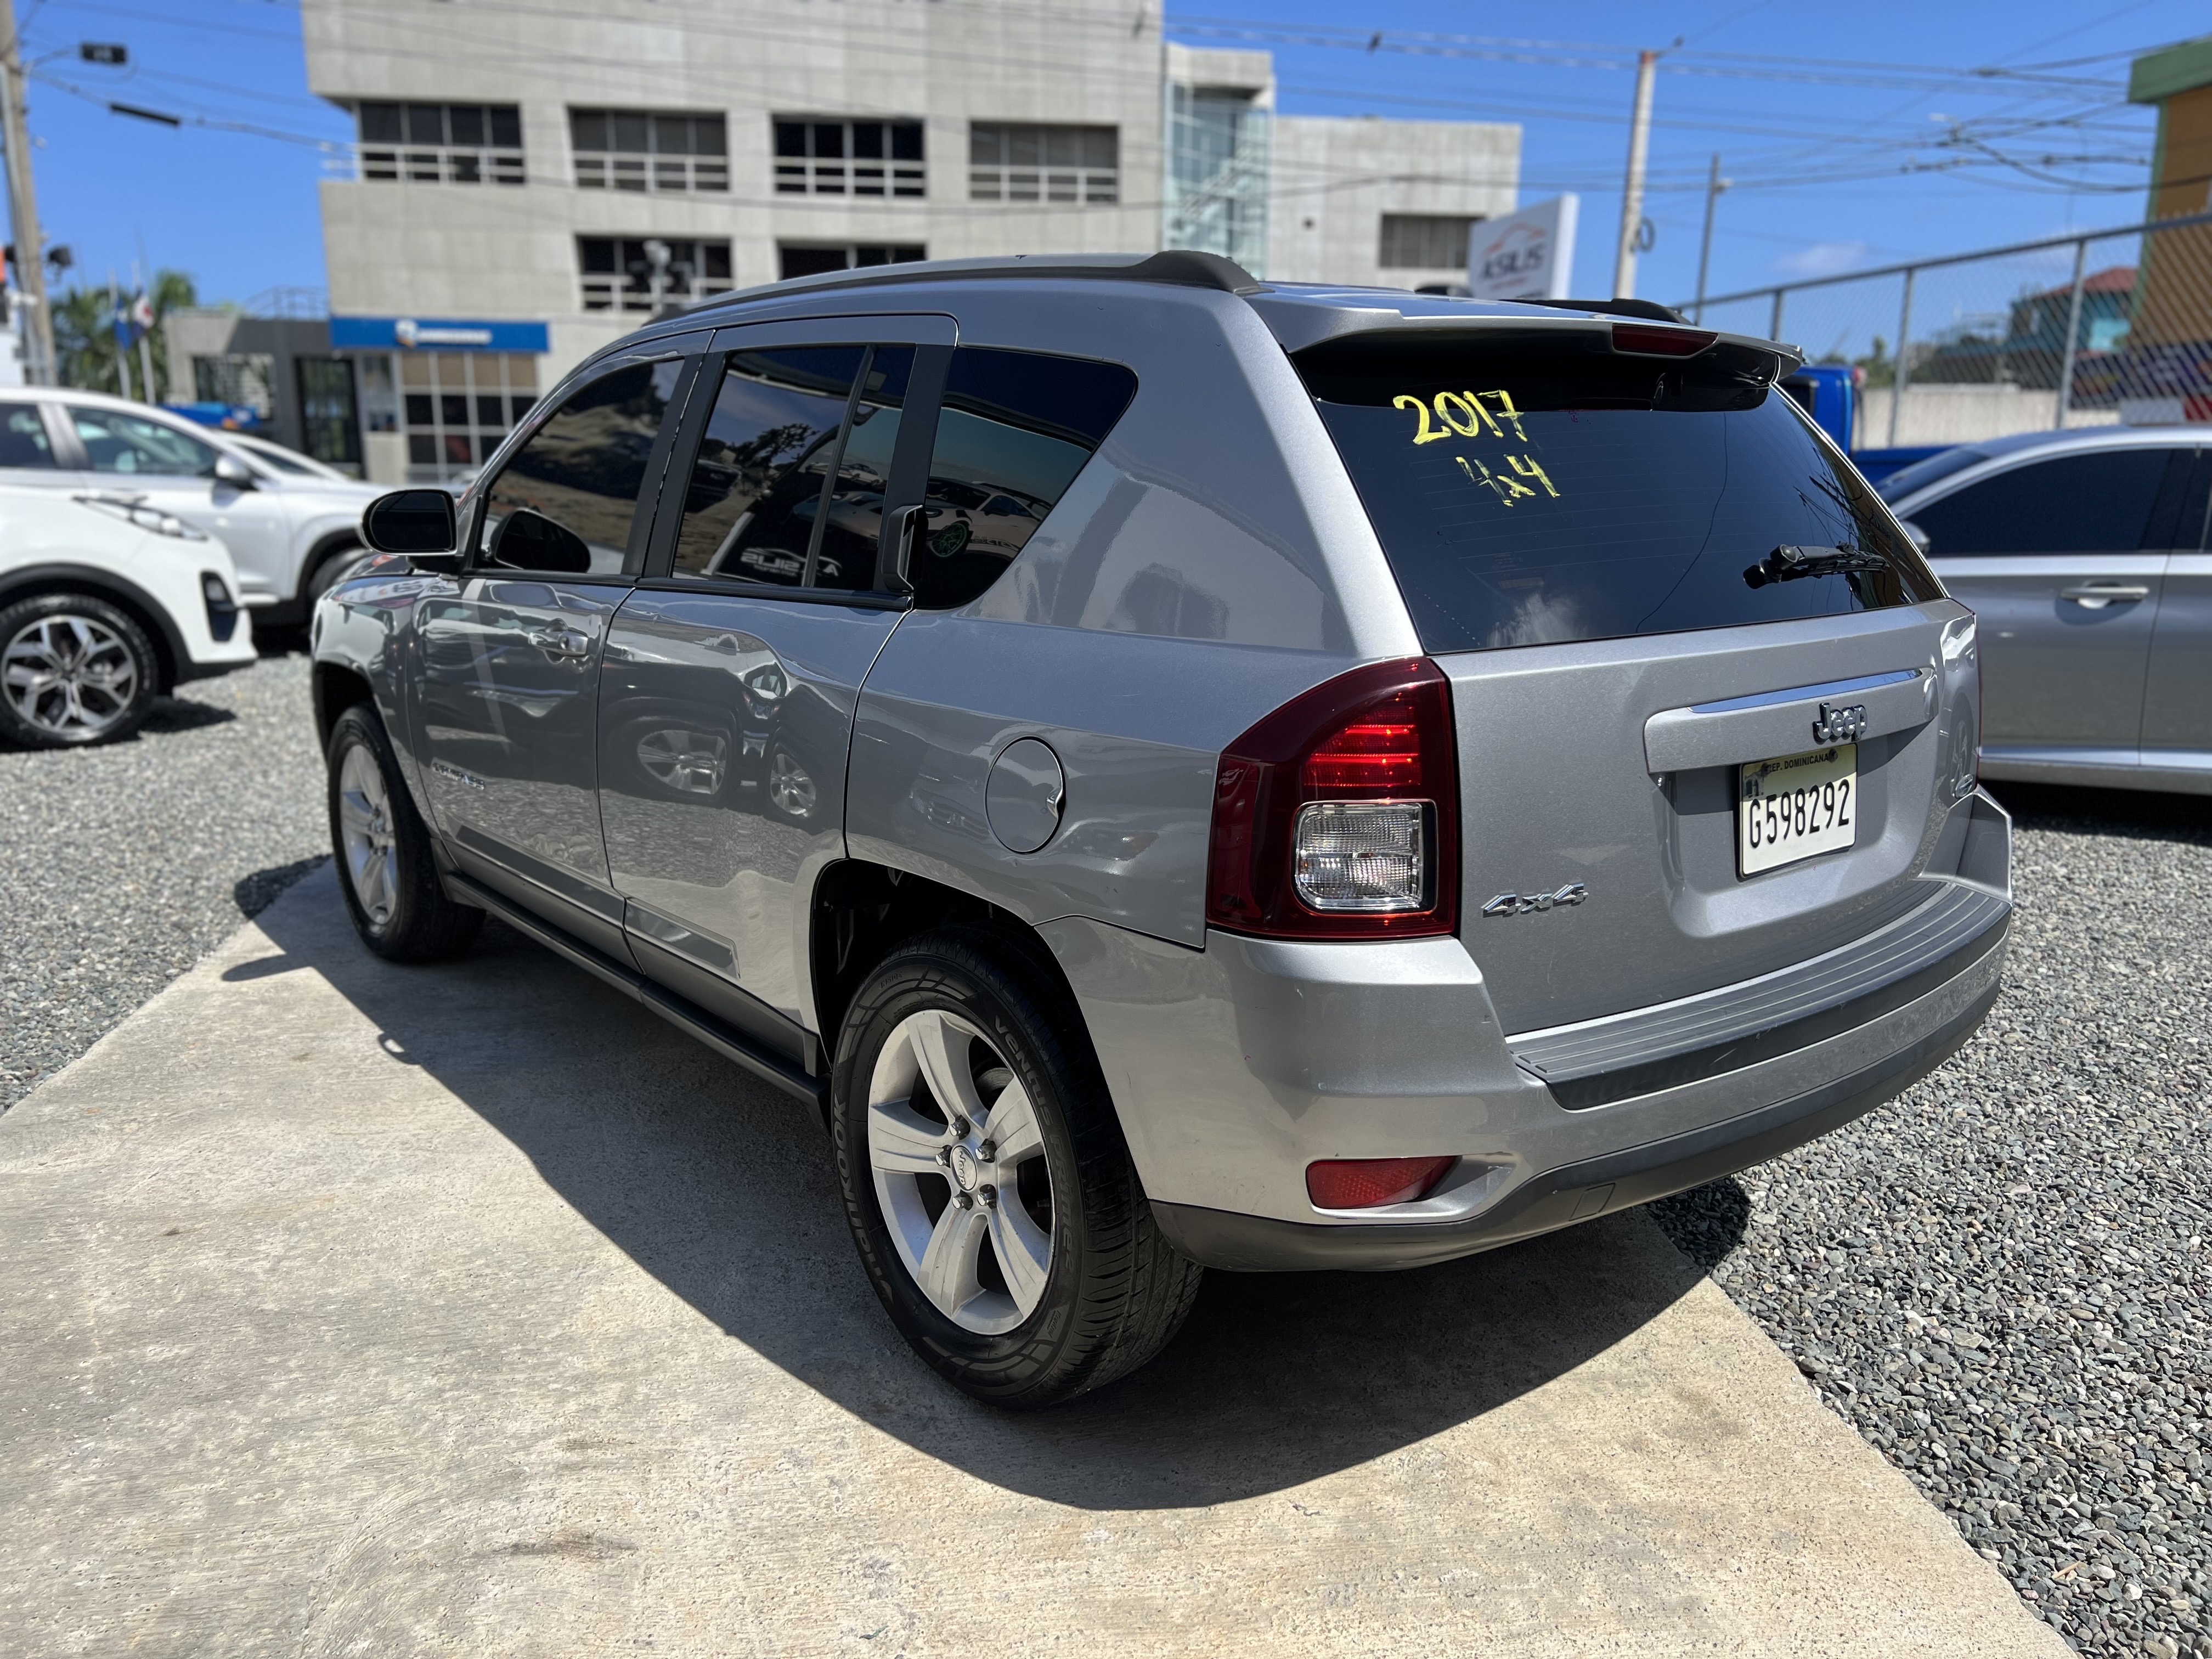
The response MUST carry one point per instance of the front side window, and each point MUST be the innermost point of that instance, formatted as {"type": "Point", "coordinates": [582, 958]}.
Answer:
{"type": "Point", "coordinates": [1537, 488]}
{"type": "Point", "coordinates": [784, 490]}
{"type": "Point", "coordinates": [567, 500]}
{"type": "Point", "coordinates": [440, 143]}
{"type": "Point", "coordinates": [2113, 500]}
{"type": "Point", "coordinates": [648, 151]}
{"type": "Point", "coordinates": [125, 444]}
{"type": "Point", "coordinates": [23, 441]}
{"type": "Point", "coordinates": [643, 273]}
{"type": "Point", "coordinates": [848, 158]}
{"type": "Point", "coordinates": [1026, 162]}
{"type": "Point", "coordinates": [1015, 429]}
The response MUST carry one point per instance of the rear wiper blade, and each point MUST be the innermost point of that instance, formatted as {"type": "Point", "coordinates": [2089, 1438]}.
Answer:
{"type": "Point", "coordinates": [1789, 564]}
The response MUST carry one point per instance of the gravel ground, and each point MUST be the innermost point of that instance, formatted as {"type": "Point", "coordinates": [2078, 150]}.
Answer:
{"type": "Point", "coordinates": [2001, 1278]}
{"type": "Point", "coordinates": [119, 865]}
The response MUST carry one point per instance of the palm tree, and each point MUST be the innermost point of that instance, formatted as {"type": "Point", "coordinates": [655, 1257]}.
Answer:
{"type": "Point", "coordinates": [84, 336]}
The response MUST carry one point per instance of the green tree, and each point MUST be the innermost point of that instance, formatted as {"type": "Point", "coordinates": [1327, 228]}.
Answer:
{"type": "Point", "coordinates": [84, 336]}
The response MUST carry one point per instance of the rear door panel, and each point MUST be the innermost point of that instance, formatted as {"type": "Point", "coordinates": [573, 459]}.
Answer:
{"type": "Point", "coordinates": [1558, 785]}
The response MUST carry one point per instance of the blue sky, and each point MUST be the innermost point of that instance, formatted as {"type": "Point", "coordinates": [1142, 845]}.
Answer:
{"type": "Point", "coordinates": [1817, 110]}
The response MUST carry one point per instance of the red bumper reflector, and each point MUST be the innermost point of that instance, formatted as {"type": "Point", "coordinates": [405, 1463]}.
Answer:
{"type": "Point", "coordinates": [1363, 1183]}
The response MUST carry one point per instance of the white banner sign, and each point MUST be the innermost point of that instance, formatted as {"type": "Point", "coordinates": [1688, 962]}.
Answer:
{"type": "Point", "coordinates": [1528, 255]}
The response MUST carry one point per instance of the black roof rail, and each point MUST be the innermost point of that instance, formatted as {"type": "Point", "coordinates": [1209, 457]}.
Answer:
{"type": "Point", "coordinates": [1650, 310]}
{"type": "Point", "coordinates": [1181, 267]}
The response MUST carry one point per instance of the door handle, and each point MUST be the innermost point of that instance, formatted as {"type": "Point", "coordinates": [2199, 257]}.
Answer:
{"type": "Point", "coordinates": [560, 641]}
{"type": "Point", "coordinates": [2095, 596]}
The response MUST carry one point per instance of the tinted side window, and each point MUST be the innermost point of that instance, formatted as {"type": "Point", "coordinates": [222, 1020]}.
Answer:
{"type": "Point", "coordinates": [755, 493]}
{"type": "Point", "coordinates": [2101, 502]}
{"type": "Point", "coordinates": [1015, 428]}
{"type": "Point", "coordinates": [23, 441]}
{"type": "Point", "coordinates": [568, 500]}
{"type": "Point", "coordinates": [124, 443]}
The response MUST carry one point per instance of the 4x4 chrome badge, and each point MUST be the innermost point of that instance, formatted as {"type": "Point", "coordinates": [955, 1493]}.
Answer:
{"type": "Point", "coordinates": [1520, 904]}
{"type": "Point", "coordinates": [1840, 723]}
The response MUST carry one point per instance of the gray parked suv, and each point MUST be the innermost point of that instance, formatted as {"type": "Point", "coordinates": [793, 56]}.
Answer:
{"type": "Point", "coordinates": [1187, 772]}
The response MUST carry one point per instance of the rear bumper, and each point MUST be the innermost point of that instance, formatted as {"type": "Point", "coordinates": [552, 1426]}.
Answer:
{"type": "Point", "coordinates": [1235, 1067]}
{"type": "Point", "coordinates": [1576, 1192]}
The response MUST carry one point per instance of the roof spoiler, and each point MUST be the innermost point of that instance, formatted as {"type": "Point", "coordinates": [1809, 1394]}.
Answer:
{"type": "Point", "coordinates": [1650, 310]}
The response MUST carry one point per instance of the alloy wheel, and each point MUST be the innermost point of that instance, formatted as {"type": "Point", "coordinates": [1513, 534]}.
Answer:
{"type": "Point", "coordinates": [960, 1173]}
{"type": "Point", "coordinates": [372, 855]}
{"type": "Point", "coordinates": [69, 677]}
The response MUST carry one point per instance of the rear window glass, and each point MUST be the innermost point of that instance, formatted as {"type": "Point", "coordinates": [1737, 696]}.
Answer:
{"type": "Point", "coordinates": [1537, 489]}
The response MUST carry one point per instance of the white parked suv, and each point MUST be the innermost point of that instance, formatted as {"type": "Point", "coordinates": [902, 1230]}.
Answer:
{"type": "Point", "coordinates": [106, 603]}
{"type": "Point", "coordinates": [291, 531]}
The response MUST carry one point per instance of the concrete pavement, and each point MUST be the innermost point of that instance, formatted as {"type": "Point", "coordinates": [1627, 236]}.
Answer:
{"type": "Point", "coordinates": [353, 1310]}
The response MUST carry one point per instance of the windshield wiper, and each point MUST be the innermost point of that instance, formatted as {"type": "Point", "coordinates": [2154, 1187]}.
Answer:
{"type": "Point", "coordinates": [1789, 564]}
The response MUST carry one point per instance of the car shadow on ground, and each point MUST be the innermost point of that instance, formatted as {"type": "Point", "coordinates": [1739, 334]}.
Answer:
{"type": "Point", "coordinates": [182, 714]}
{"type": "Point", "coordinates": [721, 1188]}
{"type": "Point", "coordinates": [2136, 814]}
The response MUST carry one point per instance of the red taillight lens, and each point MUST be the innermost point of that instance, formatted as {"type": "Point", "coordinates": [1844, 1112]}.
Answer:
{"type": "Point", "coordinates": [1646, 342]}
{"type": "Point", "coordinates": [1337, 817]}
{"type": "Point", "coordinates": [1366, 1183]}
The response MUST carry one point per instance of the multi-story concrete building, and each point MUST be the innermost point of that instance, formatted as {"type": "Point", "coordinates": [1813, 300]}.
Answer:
{"type": "Point", "coordinates": [533, 178]}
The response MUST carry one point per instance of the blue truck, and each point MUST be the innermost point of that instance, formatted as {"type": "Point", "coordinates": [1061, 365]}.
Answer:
{"type": "Point", "coordinates": [1830, 393]}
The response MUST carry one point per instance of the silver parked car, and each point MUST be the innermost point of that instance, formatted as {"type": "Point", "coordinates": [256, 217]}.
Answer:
{"type": "Point", "coordinates": [1185, 772]}
{"type": "Point", "coordinates": [2083, 553]}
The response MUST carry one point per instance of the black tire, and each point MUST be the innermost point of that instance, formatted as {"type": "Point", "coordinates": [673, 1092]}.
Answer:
{"type": "Point", "coordinates": [108, 672]}
{"type": "Point", "coordinates": [406, 915]}
{"type": "Point", "coordinates": [1115, 1292]}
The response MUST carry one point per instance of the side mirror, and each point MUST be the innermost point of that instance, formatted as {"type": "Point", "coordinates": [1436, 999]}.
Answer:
{"type": "Point", "coordinates": [530, 541]}
{"type": "Point", "coordinates": [230, 470]}
{"type": "Point", "coordinates": [1919, 536]}
{"type": "Point", "coordinates": [412, 521]}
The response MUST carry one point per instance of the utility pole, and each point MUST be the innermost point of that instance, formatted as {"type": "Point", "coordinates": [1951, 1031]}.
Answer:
{"type": "Point", "coordinates": [23, 204]}
{"type": "Point", "coordinates": [1631, 197]}
{"type": "Point", "coordinates": [145, 338]}
{"type": "Point", "coordinates": [1714, 186]}
{"type": "Point", "coordinates": [115, 333]}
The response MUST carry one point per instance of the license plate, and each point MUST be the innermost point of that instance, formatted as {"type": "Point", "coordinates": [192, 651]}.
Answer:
{"type": "Point", "coordinates": [1796, 807]}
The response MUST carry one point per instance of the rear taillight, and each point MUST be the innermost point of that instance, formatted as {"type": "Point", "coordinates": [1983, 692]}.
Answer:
{"type": "Point", "coordinates": [1337, 817]}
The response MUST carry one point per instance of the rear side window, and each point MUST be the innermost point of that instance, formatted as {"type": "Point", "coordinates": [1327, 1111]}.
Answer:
{"type": "Point", "coordinates": [789, 482]}
{"type": "Point", "coordinates": [1015, 429]}
{"type": "Point", "coordinates": [1540, 489]}
{"type": "Point", "coordinates": [23, 441]}
{"type": "Point", "coordinates": [567, 500]}
{"type": "Point", "coordinates": [2113, 500]}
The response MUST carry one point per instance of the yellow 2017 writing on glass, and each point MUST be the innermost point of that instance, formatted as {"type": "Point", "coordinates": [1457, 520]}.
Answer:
{"type": "Point", "coordinates": [1464, 414]}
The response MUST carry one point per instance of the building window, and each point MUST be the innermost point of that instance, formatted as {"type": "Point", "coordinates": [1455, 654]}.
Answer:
{"type": "Point", "coordinates": [440, 143]}
{"type": "Point", "coordinates": [633, 149]}
{"type": "Point", "coordinates": [1021, 162]}
{"type": "Point", "coordinates": [240, 380]}
{"type": "Point", "coordinates": [848, 158]}
{"type": "Point", "coordinates": [456, 406]}
{"type": "Point", "coordinates": [1425, 241]}
{"type": "Point", "coordinates": [1217, 174]}
{"type": "Point", "coordinates": [645, 273]}
{"type": "Point", "coordinates": [813, 258]}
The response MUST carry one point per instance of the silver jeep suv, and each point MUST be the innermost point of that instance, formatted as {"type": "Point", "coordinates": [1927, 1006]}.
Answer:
{"type": "Point", "coordinates": [1188, 772]}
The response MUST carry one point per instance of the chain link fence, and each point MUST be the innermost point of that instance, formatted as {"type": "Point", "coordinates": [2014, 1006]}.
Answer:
{"type": "Point", "coordinates": [2105, 327]}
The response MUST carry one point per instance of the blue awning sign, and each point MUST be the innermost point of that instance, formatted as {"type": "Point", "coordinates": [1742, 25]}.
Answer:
{"type": "Point", "coordinates": [435, 334]}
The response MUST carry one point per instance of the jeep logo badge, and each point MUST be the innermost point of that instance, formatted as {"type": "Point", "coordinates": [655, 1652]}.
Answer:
{"type": "Point", "coordinates": [1840, 723]}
